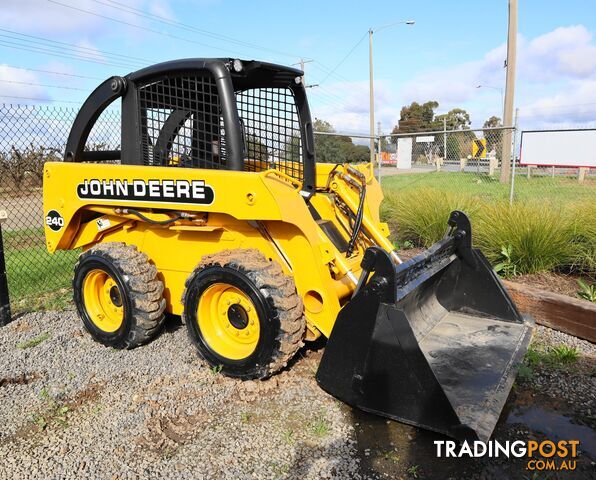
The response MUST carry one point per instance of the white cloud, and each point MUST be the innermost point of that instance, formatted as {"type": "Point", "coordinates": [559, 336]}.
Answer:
{"type": "Point", "coordinates": [41, 16]}
{"type": "Point", "coordinates": [556, 84]}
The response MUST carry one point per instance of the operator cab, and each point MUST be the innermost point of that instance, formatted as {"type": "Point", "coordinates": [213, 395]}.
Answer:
{"type": "Point", "coordinates": [206, 113]}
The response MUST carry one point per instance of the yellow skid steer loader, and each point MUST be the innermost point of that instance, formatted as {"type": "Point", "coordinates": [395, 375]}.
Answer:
{"type": "Point", "coordinates": [213, 208]}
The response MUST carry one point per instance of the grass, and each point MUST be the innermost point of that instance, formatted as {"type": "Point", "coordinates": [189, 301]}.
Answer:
{"type": "Point", "coordinates": [414, 471]}
{"type": "Point", "coordinates": [54, 412]}
{"type": "Point", "coordinates": [34, 342]}
{"type": "Point", "coordinates": [37, 279]}
{"type": "Point", "coordinates": [587, 292]}
{"type": "Point", "coordinates": [559, 190]}
{"type": "Point", "coordinates": [555, 357]}
{"type": "Point", "coordinates": [320, 427]}
{"type": "Point", "coordinates": [526, 237]}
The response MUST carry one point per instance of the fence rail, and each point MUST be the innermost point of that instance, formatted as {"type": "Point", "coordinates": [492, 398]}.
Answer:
{"type": "Point", "coordinates": [460, 161]}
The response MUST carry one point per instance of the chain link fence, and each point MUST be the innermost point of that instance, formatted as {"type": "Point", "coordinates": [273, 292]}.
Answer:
{"type": "Point", "coordinates": [464, 163]}
{"type": "Point", "coordinates": [29, 137]}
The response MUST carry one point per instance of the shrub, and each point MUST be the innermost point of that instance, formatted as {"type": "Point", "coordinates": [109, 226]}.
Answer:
{"type": "Point", "coordinates": [525, 237]}
{"type": "Point", "coordinates": [420, 216]}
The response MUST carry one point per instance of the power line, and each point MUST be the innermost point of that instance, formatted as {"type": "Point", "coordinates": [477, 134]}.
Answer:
{"type": "Point", "coordinates": [345, 58]}
{"type": "Point", "coordinates": [140, 27]}
{"type": "Point", "coordinates": [94, 51]}
{"type": "Point", "coordinates": [167, 21]}
{"type": "Point", "coordinates": [51, 72]}
{"type": "Point", "coordinates": [44, 85]}
{"type": "Point", "coordinates": [53, 53]}
{"type": "Point", "coordinates": [40, 99]}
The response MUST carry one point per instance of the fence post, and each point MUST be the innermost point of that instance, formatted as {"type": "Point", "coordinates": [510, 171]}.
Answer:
{"type": "Point", "coordinates": [444, 143]}
{"type": "Point", "coordinates": [512, 183]}
{"type": "Point", "coordinates": [5, 315]}
{"type": "Point", "coordinates": [379, 162]}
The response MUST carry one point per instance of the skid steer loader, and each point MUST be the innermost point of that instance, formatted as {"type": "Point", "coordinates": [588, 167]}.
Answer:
{"type": "Point", "coordinates": [213, 208]}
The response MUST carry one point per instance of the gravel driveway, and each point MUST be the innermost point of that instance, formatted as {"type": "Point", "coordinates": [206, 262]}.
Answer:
{"type": "Point", "coordinates": [71, 408]}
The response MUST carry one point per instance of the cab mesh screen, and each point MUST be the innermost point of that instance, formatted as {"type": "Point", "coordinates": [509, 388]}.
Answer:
{"type": "Point", "coordinates": [271, 129]}
{"type": "Point", "coordinates": [181, 123]}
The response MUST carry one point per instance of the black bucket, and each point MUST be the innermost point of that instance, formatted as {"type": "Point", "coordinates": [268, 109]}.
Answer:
{"type": "Point", "coordinates": [433, 342]}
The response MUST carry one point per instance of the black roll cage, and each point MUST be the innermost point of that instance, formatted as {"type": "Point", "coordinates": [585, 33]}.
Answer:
{"type": "Point", "coordinates": [253, 74]}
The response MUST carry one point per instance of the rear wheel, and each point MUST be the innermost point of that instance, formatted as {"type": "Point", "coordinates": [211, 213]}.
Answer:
{"type": "Point", "coordinates": [118, 295]}
{"type": "Point", "coordinates": [243, 313]}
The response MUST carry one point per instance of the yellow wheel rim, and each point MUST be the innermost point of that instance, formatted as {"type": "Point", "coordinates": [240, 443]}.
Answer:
{"type": "Point", "coordinates": [228, 321]}
{"type": "Point", "coordinates": [103, 301]}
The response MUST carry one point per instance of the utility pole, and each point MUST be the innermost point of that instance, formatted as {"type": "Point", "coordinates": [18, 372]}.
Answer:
{"type": "Point", "coordinates": [301, 63]}
{"type": "Point", "coordinates": [509, 92]}
{"type": "Point", "coordinates": [372, 96]}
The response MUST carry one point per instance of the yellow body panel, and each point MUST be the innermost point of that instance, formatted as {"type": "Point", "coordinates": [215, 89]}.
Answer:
{"type": "Point", "coordinates": [262, 210]}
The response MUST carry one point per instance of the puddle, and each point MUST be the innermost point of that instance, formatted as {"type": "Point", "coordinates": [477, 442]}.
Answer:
{"type": "Point", "coordinates": [555, 426]}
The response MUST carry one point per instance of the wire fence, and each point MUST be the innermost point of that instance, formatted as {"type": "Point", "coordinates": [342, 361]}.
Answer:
{"type": "Point", "coordinates": [461, 162]}
{"type": "Point", "coordinates": [29, 137]}
{"type": "Point", "coordinates": [466, 161]}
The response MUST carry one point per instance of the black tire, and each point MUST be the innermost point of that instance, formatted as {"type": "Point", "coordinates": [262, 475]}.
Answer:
{"type": "Point", "coordinates": [141, 293]}
{"type": "Point", "coordinates": [278, 306]}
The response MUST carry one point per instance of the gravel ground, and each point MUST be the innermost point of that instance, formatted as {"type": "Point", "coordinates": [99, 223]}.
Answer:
{"type": "Point", "coordinates": [71, 408]}
{"type": "Point", "coordinates": [156, 412]}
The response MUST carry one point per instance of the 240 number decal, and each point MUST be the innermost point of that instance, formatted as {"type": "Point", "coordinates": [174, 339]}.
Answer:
{"type": "Point", "coordinates": [54, 220]}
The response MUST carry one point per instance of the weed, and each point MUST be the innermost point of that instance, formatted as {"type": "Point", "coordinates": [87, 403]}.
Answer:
{"type": "Point", "coordinates": [390, 455]}
{"type": "Point", "coordinates": [524, 373]}
{"type": "Point", "coordinates": [320, 427]}
{"type": "Point", "coordinates": [33, 342]}
{"type": "Point", "coordinates": [216, 369]}
{"type": "Point", "coordinates": [587, 292]}
{"type": "Point", "coordinates": [289, 436]}
{"type": "Point", "coordinates": [413, 470]}
{"type": "Point", "coordinates": [245, 417]}
{"type": "Point", "coordinates": [56, 412]}
{"type": "Point", "coordinates": [562, 354]}
{"type": "Point", "coordinates": [506, 268]}
{"type": "Point", "coordinates": [554, 357]}
{"type": "Point", "coordinates": [39, 420]}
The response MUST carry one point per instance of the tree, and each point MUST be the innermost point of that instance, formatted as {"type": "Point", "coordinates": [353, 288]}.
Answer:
{"type": "Point", "coordinates": [337, 148]}
{"type": "Point", "coordinates": [416, 117]}
{"type": "Point", "coordinates": [492, 122]}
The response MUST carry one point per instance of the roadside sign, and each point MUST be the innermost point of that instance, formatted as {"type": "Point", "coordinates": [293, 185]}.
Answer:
{"type": "Point", "coordinates": [425, 139]}
{"type": "Point", "coordinates": [479, 148]}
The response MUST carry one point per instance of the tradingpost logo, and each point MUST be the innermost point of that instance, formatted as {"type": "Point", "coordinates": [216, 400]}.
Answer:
{"type": "Point", "coordinates": [542, 456]}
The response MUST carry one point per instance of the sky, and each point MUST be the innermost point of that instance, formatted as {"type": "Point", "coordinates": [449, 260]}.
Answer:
{"type": "Point", "coordinates": [58, 51]}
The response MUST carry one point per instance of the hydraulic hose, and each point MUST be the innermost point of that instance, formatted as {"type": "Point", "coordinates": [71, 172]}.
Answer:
{"type": "Point", "coordinates": [153, 222]}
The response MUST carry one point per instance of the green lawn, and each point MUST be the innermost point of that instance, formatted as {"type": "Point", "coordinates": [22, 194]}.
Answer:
{"type": "Point", "coordinates": [37, 279]}
{"type": "Point", "coordinates": [559, 189]}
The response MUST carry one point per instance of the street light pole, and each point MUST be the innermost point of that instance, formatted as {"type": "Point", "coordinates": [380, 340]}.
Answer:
{"type": "Point", "coordinates": [371, 80]}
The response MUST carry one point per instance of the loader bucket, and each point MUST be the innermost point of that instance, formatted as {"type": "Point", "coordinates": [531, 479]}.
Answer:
{"type": "Point", "coordinates": [433, 342]}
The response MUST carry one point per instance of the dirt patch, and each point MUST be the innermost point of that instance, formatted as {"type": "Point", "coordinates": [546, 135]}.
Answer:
{"type": "Point", "coordinates": [552, 282]}
{"type": "Point", "coordinates": [23, 379]}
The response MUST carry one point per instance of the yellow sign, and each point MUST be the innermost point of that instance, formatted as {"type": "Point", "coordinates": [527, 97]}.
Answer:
{"type": "Point", "coordinates": [479, 148]}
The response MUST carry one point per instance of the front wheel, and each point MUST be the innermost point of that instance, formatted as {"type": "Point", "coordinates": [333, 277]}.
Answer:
{"type": "Point", "coordinates": [243, 313]}
{"type": "Point", "coordinates": [118, 295]}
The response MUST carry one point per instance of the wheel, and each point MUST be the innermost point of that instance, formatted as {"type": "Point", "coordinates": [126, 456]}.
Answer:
{"type": "Point", "coordinates": [243, 313]}
{"type": "Point", "coordinates": [118, 295]}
